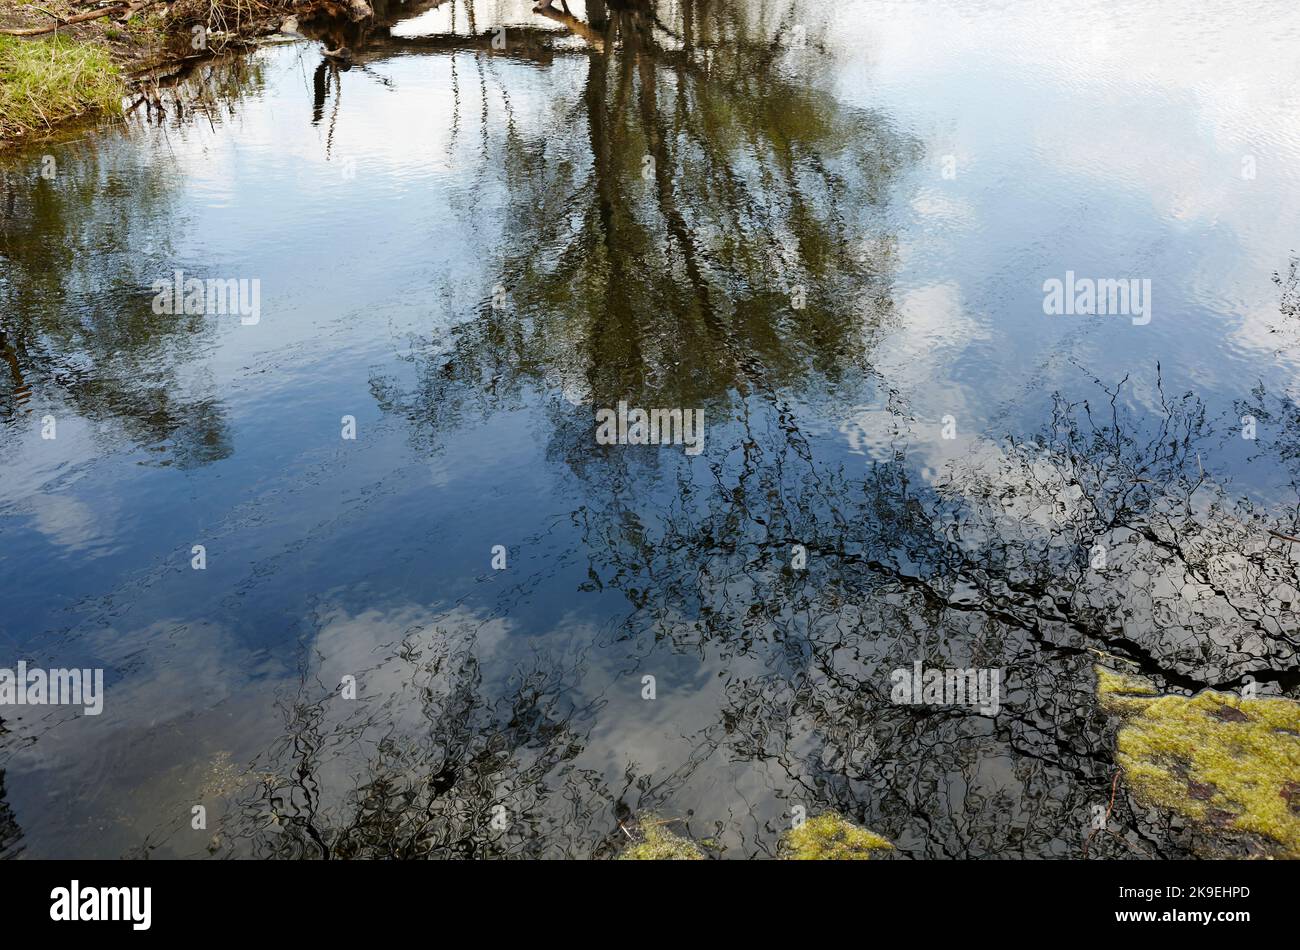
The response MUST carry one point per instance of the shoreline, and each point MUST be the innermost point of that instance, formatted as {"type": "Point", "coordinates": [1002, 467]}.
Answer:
{"type": "Point", "coordinates": [86, 69]}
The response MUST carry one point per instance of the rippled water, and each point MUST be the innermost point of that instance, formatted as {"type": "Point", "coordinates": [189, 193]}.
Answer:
{"type": "Point", "coordinates": [825, 226]}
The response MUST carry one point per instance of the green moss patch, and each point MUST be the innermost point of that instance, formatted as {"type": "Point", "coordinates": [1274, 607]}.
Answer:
{"type": "Point", "coordinates": [1230, 765]}
{"type": "Point", "coordinates": [660, 844]}
{"type": "Point", "coordinates": [46, 81]}
{"type": "Point", "coordinates": [829, 837]}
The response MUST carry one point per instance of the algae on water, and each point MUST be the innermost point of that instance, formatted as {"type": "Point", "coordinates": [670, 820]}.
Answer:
{"type": "Point", "coordinates": [660, 844]}
{"type": "Point", "coordinates": [1230, 765]}
{"type": "Point", "coordinates": [828, 837]}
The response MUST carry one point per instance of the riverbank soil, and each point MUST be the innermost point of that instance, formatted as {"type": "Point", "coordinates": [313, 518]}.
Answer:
{"type": "Point", "coordinates": [82, 63]}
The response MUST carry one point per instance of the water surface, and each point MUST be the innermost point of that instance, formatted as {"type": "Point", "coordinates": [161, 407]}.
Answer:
{"type": "Point", "coordinates": [827, 226]}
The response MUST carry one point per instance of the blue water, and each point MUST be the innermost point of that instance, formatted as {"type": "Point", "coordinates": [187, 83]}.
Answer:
{"type": "Point", "coordinates": [468, 251]}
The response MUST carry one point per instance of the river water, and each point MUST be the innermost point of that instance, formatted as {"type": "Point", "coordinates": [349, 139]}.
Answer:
{"type": "Point", "coordinates": [827, 229]}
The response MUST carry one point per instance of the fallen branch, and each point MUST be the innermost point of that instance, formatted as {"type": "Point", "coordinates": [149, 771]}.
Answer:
{"type": "Point", "coordinates": [59, 21]}
{"type": "Point", "coordinates": [1284, 537]}
{"type": "Point", "coordinates": [123, 8]}
{"type": "Point", "coordinates": [1114, 787]}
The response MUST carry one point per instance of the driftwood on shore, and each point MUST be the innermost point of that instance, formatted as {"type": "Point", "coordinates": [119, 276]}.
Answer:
{"type": "Point", "coordinates": [121, 9]}
{"type": "Point", "coordinates": [357, 10]}
{"type": "Point", "coordinates": [354, 10]}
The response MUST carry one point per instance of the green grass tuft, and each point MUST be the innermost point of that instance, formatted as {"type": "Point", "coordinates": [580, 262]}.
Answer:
{"type": "Point", "coordinates": [46, 81]}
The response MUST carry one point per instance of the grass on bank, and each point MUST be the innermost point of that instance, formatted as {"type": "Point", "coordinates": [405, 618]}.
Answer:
{"type": "Point", "coordinates": [48, 80]}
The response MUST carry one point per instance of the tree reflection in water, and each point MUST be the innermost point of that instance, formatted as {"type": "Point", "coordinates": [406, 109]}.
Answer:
{"type": "Point", "coordinates": [69, 335]}
{"type": "Point", "coordinates": [674, 288]}
{"type": "Point", "coordinates": [699, 224]}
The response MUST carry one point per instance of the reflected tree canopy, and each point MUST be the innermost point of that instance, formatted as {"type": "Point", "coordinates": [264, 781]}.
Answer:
{"type": "Point", "coordinates": [81, 247]}
{"type": "Point", "coordinates": [700, 222]}
{"type": "Point", "coordinates": [653, 254]}
{"type": "Point", "coordinates": [695, 221]}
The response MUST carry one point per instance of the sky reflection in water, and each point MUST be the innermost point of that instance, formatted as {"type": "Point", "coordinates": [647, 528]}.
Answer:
{"type": "Point", "coordinates": [383, 208]}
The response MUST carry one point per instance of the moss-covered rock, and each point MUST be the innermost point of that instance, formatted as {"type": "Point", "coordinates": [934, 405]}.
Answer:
{"type": "Point", "coordinates": [828, 837]}
{"type": "Point", "coordinates": [1229, 765]}
{"type": "Point", "coordinates": [660, 844]}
